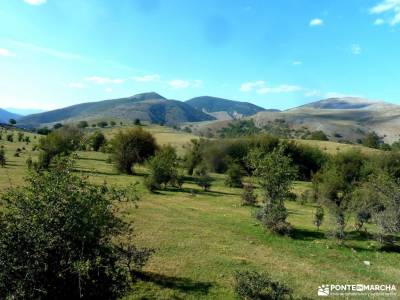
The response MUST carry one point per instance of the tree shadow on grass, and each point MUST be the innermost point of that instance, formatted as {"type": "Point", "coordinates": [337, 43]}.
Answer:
{"type": "Point", "coordinates": [177, 283]}
{"type": "Point", "coordinates": [359, 236]}
{"type": "Point", "coordinates": [94, 159]}
{"type": "Point", "coordinates": [307, 235]}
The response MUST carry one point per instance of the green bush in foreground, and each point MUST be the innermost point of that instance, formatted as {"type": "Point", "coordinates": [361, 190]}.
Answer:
{"type": "Point", "coordinates": [251, 285]}
{"type": "Point", "coordinates": [56, 239]}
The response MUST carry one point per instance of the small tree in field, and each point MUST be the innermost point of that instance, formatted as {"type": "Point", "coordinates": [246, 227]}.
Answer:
{"type": "Point", "coordinates": [83, 124]}
{"type": "Point", "coordinates": [193, 156]}
{"type": "Point", "coordinates": [202, 178]}
{"type": "Point", "coordinates": [97, 140]}
{"type": "Point", "coordinates": [319, 217]}
{"type": "Point", "coordinates": [56, 239]}
{"type": "Point", "coordinates": [234, 176]}
{"type": "Point", "coordinates": [61, 142]}
{"type": "Point", "coordinates": [251, 285]}
{"type": "Point", "coordinates": [248, 196]}
{"type": "Point", "coordinates": [12, 121]}
{"type": "Point", "coordinates": [137, 122]}
{"type": "Point", "coordinates": [2, 158]}
{"type": "Point", "coordinates": [163, 169]}
{"type": "Point", "coordinates": [132, 146]}
{"type": "Point", "coordinates": [10, 137]}
{"type": "Point", "coordinates": [275, 174]}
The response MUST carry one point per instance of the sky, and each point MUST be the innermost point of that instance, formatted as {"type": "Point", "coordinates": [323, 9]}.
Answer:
{"type": "Point", "coordinates": [273, 53]}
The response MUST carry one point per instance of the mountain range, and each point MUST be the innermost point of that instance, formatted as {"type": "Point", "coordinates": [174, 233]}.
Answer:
{"type": "Point", "coordinates": [344, 119]}
{"type": "Point", "coordinates": [5, 116]}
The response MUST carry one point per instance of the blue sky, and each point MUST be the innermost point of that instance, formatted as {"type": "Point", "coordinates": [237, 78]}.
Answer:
{"type": "Point", "coordinates": [277, 54]}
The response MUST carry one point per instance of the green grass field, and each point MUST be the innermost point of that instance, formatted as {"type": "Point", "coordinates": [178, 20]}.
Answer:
{"type": "Point", "coordinates": [201, 238]}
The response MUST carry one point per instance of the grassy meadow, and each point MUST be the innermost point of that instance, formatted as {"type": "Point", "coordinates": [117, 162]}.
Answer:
{"type": "Point", "coordinates": [201, 238]}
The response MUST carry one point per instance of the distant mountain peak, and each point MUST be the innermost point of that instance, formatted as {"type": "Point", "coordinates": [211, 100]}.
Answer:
{"type": "Point", "coordinates": [345, 103]}
{"type": "Point", "coordinates": [147, 96]}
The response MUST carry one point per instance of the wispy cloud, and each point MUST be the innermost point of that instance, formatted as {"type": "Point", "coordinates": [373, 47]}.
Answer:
{"type": "Point", "coordinates": [35, 2]}
{"type": "Point", "coordinates": [379, 22]}
{"type": "Point", "coordinates": [316, 22]}
{"type": "Point", "coordinates": [6, 53]}
{"type": "Point", "coordinates": [261, 87]}
{"type": "Point", "coordinates": [184, 84]}
{"type": "Point", "coordinates": [47, 51]}
{"type": "Point", "coordinates": [104, 80]}
{"type": "Point", "coordinates": [76, 85]}
{"type": "Point", "coordinates": [297, 63]}
{"type": "Point", "coordinates": [147, 78]}
{"type": "Point", "coordinates": [356, 49]}
{"type": "Point", "coordinates": [388, 8]}
{"type": "Point", "coordinates": [109, 90]}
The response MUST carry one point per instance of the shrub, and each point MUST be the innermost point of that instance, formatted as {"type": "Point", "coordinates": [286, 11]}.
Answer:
{"type": "Point", "coordinates": [137, 122]}
{"type": "Point", "coordinates": [275, 174]}
{"type": "Point", "coordinates": [2, 158]}
{"type": "Point", "coordinates": [10, 137]}
{"type": "Point", "coordinates": [97, 140]}
{"type": "Point", "coordinates": [234, 176]}
{"type": "Point", "coordinates": [44, 131]}
{"type": "Point", "coordinates": [83, 124]}
{"type": "Point", "coordinates": [59, 142]}
{"type": "Point", "coordinates": [12, 122]}
{"type": "Point", "coordinates": [252, 285]}
{"type": "Point", "coordinates": [56, 239]}
{"type": "Point", "coordinates": [132, 146]}
{"type": "Point", "coordinates": [20, 136]}
{"type": "Point", "coordinates": [193, 155]}
{"type": "Point", "coordinates": [102, 124]}
{"type": "Point", "coordinates": [318, 136]}
{"type": "Point", "coordinates": [58, 126]}
{"type": "Point", "coordinates": [202, 178]}
{"type": "Point", "coordinates": [29, 162]}
{"type": "Point", "coordinates": [163, 169]}
{"type": "Point", "coordinates": [112, 123]}
{"type": "Point", "coordinates": [372, 140]}
{"type": "Point", "coordinates": [318, 217]}
{"type": "Point", "coordinates": [248, 196]}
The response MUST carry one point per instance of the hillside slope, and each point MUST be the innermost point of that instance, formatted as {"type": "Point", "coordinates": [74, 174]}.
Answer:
{"type": "Point", "coordinates": [342, 118]}
{"type": "Point", "coordinates": [224, 109]}
{"type": "Point", "coordinates": [5, 116]}
{"type": "Point", "coordinates": [149, 107]}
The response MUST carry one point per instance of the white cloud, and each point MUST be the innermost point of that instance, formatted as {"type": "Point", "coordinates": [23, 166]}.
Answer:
{"type": "Point", "coordinates": [104, 80]}
{"type": "Point", "coordinates": [76, 85]}
{"type": "Point", "coordinates": [108, 90]}
{"type": "Point", "coordinates": [147, 78]}
{"type": "Point", "coordinates": [297, 63]}
{"type": "Point", "coordinates": [379, 22]}
{"type": "Point", "coordinates": [35, 2]}
{"type": "Point", "coordinates": [316, 22]}
{"type": "Point", "coordinates": [356, 49]}
{"type": "Point", "coordinates": [47, 51]}
{"type": "Point", "coordinates": [312, 93]}
{"type": "Point", "coordinates": [390, 8]}
{"type": "Point", "coordinates": [6, 53]}
{"type": "Point", "coordinates": [183, 84]}
{"type": "Point", "coordinates": [261, 87]}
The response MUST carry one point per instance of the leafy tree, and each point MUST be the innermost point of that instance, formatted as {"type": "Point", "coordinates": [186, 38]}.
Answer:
{"type": "Point", "coordinates": [248, 196]}
{"type": "Point", "coordinates": [57, 236]}
{"type": "Point", "coordinates": [83, 124]}
{"type": "Point", "coordinates": [371, 140]}
{"type": "Point", "coordinates": [97, 140]}
{"type": "Point", "coordinates": [335, 185]}
{"type": "Point", "coordinates": [193, 155]}
{"type": "Point", "coordinates": [319, 136]}
{"type": "Point", "coordinates": [44, 131]}
{"type": "Point", "coordinates": [163, 169]}
{"type": "Point", "coordinates": [132, 146]}
{"type": "Point", "coordinates": [239, 128]}
{"type": "Point", "coordinates": [319, 216]}
{"type": "Point", "coordinates": [234, 176]}
{"type": "Point", "coordinates": [102, 124]}
{"type": "Point", "coordinates": [57, 126]}
{"type": "Point", "coordinates": [20, 136]}
{"type": "Point", "coordinates": [275, 174]}
{"type": "Point", "coordinates": [62, 142]}
{"type": "Point", "coordinates": [12, 121]}
{"type": "Point", "coordinates": [252, 285]}
{"type": "Point", "coordinates": [10, 137]}
{"type": "Point", "coordinates": [2, 157]}
{"type": "Point", "coordinates": [202, 178]}
{"type": "Point", "coordinates": [382, 193]}
{"type": "Point", "coordinates": [112, 123]}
